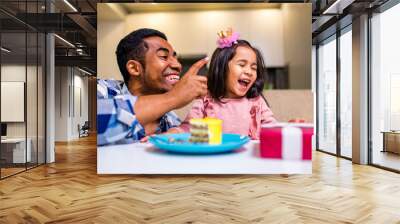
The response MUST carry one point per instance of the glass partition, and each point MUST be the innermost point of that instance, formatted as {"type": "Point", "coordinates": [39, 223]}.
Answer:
{"type": "Point", "coordinates": [41, 96]}
{"type": "Point", "coordinates": [385, 89]}
{"type": "Point", "coordinates": [327, 95]}
{"type": "Point", "coordinates": [13, 103]}
{"type": "Point", "coordinates": [346, 93]}
{"type": "Point", "coordinates": [31, 97]}
{"type": "Point", "coordinates": [22, 78]}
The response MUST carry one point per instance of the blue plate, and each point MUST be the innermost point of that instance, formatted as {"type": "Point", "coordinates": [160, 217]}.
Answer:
{"type": "Point", "coordinates": [181, 144]}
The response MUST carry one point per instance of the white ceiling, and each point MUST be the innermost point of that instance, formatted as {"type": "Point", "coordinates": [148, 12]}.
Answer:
{"type": "Point", "coordinates": [118, 11]}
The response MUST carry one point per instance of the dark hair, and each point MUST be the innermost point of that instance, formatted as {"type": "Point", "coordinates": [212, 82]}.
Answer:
{"type": "Point", "coordinates": [219, 70]}
{"type": "Point", "coordinates": [133, 47]}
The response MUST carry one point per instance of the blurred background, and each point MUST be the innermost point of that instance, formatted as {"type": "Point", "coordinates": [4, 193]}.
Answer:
{"type": "Point", "coordinates": [281, 31]}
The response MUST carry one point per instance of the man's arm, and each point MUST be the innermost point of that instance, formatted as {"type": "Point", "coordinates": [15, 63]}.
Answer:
{"type": "Point", "coordinates": [121, 118]}
{"type": "Point", "coordinates": [116, 120]}
{"type": "Point", "coordinates": [150, 108]}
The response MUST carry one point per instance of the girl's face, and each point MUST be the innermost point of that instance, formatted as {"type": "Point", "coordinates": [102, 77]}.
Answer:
{"type": "Point", "coordinates": [242, 72]}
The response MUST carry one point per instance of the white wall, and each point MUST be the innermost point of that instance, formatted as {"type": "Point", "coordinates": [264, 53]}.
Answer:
{"type": "Point", "coordinates": [297, 44]}
{"type": "Point", "coordinates": [67, 114]}
{"type": "Point", "coordinates": [194, 32]}
{"type": "Point", "coordinates": [14, 72]}
{"type": "Point", "coordinates": [79, 117]}
{"type": "Point", "coordinates": [108, 35]}
{"type": "Point", "coordinates": [62, 81]}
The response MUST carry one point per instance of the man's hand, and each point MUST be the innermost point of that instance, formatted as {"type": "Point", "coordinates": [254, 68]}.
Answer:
{"type": "Point", "coordinates": [191, 86]}
{"type": "Point", "coordinates": [170, 131]}
{"type": "Point", "coordinates": [149, 108]}
{"type": "Point", "coordinates": [145, 138]}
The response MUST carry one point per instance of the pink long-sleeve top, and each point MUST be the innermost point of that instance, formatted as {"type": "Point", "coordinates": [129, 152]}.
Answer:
{"type": "Point", "coordinates": [240, 116]}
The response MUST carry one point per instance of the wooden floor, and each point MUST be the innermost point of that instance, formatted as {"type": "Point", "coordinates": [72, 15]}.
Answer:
{"type": "Point", "coordinates": [387, 159]}
{"type": "Point", "coordinates": [70, 191]}
{"type": "Point", "coordinates": [5, 172]}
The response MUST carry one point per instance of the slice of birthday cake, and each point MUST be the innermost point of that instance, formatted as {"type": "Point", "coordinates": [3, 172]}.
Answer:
{"type": "Point", "coordinates": [198, 131]}
{"type": "Point", "coordinates": [205, 130]}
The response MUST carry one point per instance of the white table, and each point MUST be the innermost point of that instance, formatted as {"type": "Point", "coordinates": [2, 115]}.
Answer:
{"type": "Point", "coordinates": [143, 158]}
{"type": "Point", "coordinates": [18, 150]}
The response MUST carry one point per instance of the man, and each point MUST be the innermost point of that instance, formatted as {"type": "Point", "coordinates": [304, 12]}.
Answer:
{"type": "Point", "coordinates": [127, 113]}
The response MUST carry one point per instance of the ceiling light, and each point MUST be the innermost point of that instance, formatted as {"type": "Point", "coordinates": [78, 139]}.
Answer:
{"type": "Point", "coordinates": [5, 50]}
{"type": "Point", "coordinates": [337, 7]}
{"type": "Point", "coordinates": [84, 71]}
{"type": "Point", "coordinates": [78, 44]}
{"type": "Point", "coordinates": [331, 7]}
{"type": "Point", "coordinates": [80, 51]}
{"type": "Point", "coordinates": [65, 41]}
{"type": "Point", "coordinates": [70, 5]}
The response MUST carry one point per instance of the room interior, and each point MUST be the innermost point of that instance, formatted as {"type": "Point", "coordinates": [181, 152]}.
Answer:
{"type": "Point", "coordinates": [49, 65]}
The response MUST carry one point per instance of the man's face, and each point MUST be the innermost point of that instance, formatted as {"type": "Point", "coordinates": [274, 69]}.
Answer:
{"type": "Point", "coordinates": [161, 66]}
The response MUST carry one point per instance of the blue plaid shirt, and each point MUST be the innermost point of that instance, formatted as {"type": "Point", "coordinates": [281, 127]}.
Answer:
{"type": "Point", "coordinates": [116, 119]}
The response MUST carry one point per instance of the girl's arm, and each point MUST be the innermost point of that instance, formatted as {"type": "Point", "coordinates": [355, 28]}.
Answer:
{"type": "Point", "coordinates": [267, 117]}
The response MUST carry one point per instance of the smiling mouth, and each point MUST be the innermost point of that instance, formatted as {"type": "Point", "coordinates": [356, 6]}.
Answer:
{"type": "Point", "coordinates": [244, 82]}
{"type": "Point", "coordinates": [172, 78]}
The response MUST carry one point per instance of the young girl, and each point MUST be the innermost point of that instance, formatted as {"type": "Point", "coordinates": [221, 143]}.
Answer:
{"type": "Point", "coordinates": [235, 84]}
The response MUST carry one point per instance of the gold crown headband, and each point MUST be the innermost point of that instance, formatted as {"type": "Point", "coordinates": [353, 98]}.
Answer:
{"type": "Point", "coordinates": [227, 38]}
{"type": "Point", "coordinates": [224, 34]}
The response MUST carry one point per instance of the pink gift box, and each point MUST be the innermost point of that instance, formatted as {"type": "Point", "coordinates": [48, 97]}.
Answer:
{"type": "Point", "coordinates": [286, 141]}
